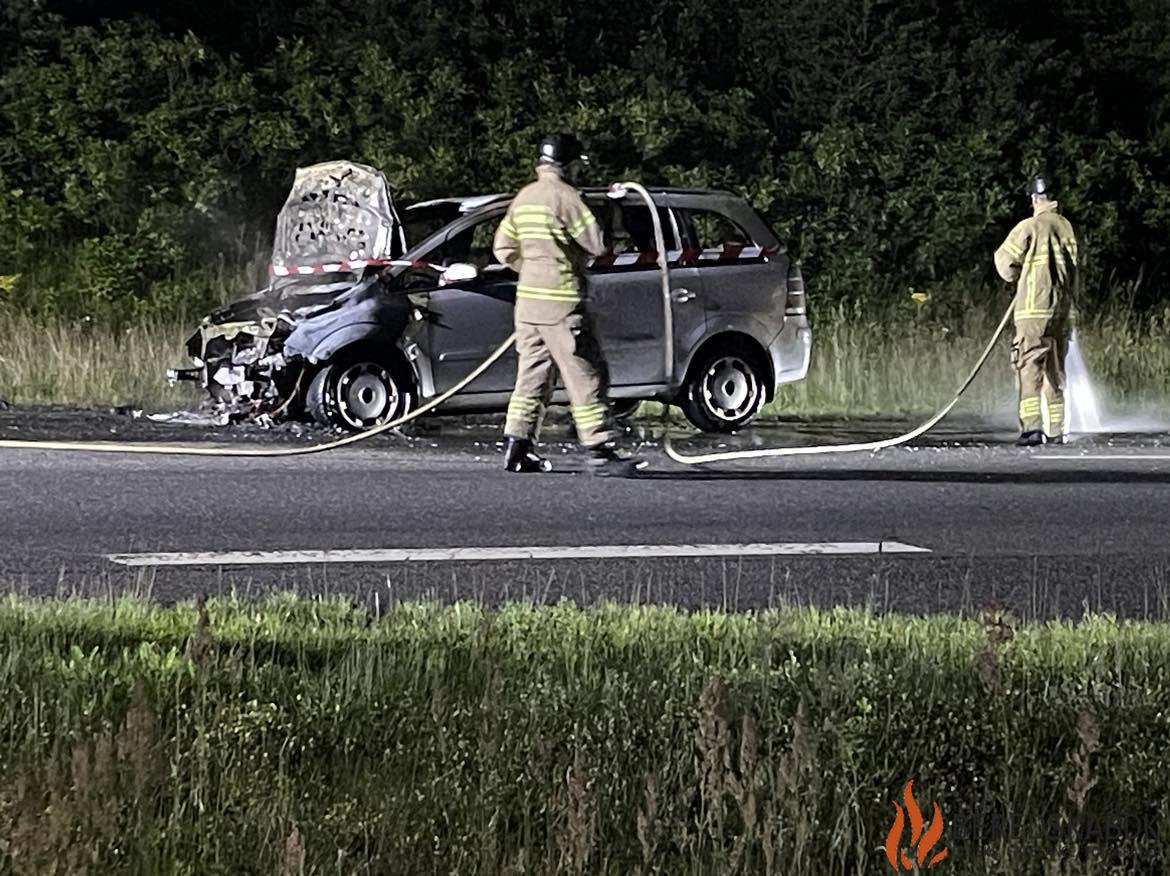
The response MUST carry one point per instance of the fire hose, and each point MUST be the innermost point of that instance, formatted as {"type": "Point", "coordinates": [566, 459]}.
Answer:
{"type": "Point", "coordinates": [188, 450]}
{"type": "Point", "coordinates": [825, 449]}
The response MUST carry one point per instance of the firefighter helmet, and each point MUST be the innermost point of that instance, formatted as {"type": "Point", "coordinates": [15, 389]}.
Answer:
{"type": "Point", "coordinates": [561, 149]}
{"type": "Point", "coordinates": [1042, 185]}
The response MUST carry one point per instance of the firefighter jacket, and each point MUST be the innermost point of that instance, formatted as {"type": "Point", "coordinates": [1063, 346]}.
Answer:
{"type": "Point", "coordinates": [548, 237]}
{"type": "Point", "coordinates": [1040, 256]}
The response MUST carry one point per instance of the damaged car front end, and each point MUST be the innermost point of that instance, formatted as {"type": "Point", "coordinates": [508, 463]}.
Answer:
{"type": "Point", "coordinates": [259, 356]}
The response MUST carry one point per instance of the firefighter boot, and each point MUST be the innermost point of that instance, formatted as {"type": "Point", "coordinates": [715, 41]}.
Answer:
{"type": "Point", "coordinates": [520, 457]}
{"type": "Point", "coordinates": [1031, 438]}
{"type": "Point", "coordinates": [606, 462]}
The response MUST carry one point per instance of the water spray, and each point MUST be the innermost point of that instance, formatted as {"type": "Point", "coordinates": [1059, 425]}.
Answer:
{"type": "Point", "coordinates": [1084, 414]}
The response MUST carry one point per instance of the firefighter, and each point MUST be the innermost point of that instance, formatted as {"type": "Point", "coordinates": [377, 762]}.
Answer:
{"type": "Point", "coordinates": [548, 237]}
{"type": "Point", "coordinates": [1040, 257]}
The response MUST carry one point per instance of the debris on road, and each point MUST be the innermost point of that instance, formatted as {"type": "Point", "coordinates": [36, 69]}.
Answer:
{"type": "Point", "coordinates": [191, 418]}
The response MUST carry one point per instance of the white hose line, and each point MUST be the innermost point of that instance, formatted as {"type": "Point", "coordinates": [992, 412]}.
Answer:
{"type": "Point", "coordinates": [189, 450]}
{"type": "Point", "coordinates": [824, 449]}
{"type": "Point", "coordinates": [620, 190]}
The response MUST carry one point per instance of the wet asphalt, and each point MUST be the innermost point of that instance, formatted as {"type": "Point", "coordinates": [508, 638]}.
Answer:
{"type": "Point", "coordinates": [1051, 532]}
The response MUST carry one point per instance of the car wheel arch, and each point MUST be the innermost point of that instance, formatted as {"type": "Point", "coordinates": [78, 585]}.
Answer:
{"type": "Point", "coordinates": [322, 349]}
{"type": "Point", "coordinates": [371, 354]}
{"type": "Point", "coordinates": [732, 340]}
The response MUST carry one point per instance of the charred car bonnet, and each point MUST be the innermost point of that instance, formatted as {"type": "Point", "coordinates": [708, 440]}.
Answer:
{"type": "Point", "coordinates": [364, 314]}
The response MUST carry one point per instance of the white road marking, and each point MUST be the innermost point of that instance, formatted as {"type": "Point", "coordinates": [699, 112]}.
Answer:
{"type": "Point", "coordinates": [466, 554]}
{"type": "Point", "coordinates": [1112, 457]}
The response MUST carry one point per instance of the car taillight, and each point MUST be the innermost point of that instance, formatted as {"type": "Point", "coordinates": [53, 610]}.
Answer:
{"type": "Point", "coordinates": [795, 305]}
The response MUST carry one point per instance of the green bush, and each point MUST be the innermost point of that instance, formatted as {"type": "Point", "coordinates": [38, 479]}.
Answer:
{"type": "Point", "coordinates": [888, 142]}
{"type": "Point", "coordinates": [297, 736]}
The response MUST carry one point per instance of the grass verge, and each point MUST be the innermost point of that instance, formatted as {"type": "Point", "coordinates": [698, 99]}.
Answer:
{"type": "Point", "coordinates": [908, 361]}
{"type": "Point", "coordinates": [305, 737]}
{"type": "Point", "coordinates": [77, 362]}
{"type": "Point", "coordinates": [911, 360]}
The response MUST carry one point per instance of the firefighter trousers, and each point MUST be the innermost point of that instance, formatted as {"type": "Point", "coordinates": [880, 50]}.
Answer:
{"type": "Point", "coordinates": [1038, 352]}
{"type": "Point", "coordinates": [570, 347]}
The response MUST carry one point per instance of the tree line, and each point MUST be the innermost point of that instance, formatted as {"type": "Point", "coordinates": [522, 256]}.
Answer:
{"type": "Point", "coordinates": [887, 141]}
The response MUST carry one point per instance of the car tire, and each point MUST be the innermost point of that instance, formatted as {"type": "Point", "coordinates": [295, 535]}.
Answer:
{"type": "Point", "coordinates": [725, 390]}
{"type": "Point", "coordinates": [358, 391]}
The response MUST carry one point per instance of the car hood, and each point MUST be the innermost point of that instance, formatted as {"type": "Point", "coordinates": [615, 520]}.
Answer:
{"type": "Point", "coordinates": [337, 211]}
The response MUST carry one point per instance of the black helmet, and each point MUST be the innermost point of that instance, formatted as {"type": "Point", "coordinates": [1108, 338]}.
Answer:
{"type": "Point", "coordinates": [1042, 185]}
{"type": "Point", "coordinates": [561, 149]}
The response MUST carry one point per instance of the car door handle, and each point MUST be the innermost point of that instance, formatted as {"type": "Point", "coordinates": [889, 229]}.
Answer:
{"type": "Point", "coordinates": [683, 295]}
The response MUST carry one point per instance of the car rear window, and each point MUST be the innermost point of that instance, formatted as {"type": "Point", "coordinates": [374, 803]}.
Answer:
{"type": "Point", "coordinates": [715, 239]}
{"type": "Point", "coordinates": [710, 230]}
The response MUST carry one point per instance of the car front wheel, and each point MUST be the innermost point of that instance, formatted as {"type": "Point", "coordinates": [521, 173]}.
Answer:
{"type": "Point", "coordinates": [724, 391]}
{"type": "Point", "coordinates": [357, 392]}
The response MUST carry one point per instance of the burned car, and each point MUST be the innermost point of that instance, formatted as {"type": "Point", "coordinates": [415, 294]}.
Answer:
{"type": "Point", "coordinates": [372, 308]}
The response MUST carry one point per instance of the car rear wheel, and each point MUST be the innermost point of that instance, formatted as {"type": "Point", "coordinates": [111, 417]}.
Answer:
{"type": "Point", "coordinates": [724, 391]}
{"type": "Point", "coordinates": [357, 392]}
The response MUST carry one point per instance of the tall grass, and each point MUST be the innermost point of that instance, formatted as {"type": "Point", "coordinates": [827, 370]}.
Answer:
{"type": "Point", "coordinates": [903, 362]}
{"type": "Point", "coordinates": [898, 362]}
{"type": "Point", "coordinates": [114, 351]}
{"type": "Point", "coordinates": [1129, 354]}
{"type": "Point", "coordinates": [77, 362]}
{"type": "Point", "coordinates": [910, 361]}
{"type": "Point", "coordinates": [300, 737]}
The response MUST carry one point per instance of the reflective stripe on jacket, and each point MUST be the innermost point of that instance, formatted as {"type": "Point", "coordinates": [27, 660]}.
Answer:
{"type": "Point", "coordinates": [548, 236]}
{"type": "Point", "coordinates": [1040, 256]}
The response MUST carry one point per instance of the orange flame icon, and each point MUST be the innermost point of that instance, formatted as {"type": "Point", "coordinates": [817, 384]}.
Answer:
{"type": "Point", "coordinates": [924, 841]}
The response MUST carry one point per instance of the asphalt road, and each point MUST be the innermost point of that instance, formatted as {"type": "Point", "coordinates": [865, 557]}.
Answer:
{"type": "Point", "coordinates": [1048, 532]}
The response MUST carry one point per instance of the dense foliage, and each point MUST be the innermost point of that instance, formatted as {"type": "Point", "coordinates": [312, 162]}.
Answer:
{"type": "Point", "coordinates": [303, 738]}
{"type": "Point", "coordinates": [887, 141]}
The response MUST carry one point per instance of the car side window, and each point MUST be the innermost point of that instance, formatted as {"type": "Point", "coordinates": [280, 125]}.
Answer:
{"type": "Point", "coordinates": [714, 231]}
{"type": "Point", "coordinates": [472, 245]}
{"type": "Point", "coordinates": [628, 228]}
{"type": "Point", "coordinates": [482, 235]}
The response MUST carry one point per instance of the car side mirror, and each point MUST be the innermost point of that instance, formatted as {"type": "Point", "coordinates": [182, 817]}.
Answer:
{"type": "Point", "coordinates": [460, 272]}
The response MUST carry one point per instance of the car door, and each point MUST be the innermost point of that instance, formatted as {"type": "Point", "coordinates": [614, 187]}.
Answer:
{"type": "Point", "coordinates": [739, 281]}
{"type": "Point", "coordinates": [468, 321]}
{"type": "Point", "coordinates": [625, 293]}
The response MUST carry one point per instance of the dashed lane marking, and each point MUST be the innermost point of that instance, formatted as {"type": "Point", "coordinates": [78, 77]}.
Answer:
{"type": "Point", "coordinates": [480, 554]}
{"type": "Point", "coordinates": [1100, 457]}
